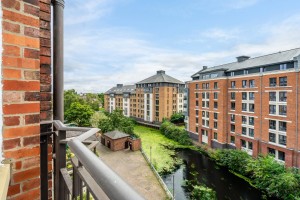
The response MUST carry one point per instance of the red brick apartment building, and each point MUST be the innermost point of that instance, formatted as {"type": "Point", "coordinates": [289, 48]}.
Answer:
{"type": "Point", "coordinates": [149, 100]}
{"type": "Point", "coordinates": [251, 104]}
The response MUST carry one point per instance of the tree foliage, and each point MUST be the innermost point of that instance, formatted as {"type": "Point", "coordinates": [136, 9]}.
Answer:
{"type": "Point", "coordinates": [177, 118]}
{"type": "Point", "coordinates": [79, 114]}
{"type": "Point", "coordinates": [264, 172]}
{"type": "Point", "coordinates": [175, 133]}
{"type": "Point", "coordinates": [117, 121]}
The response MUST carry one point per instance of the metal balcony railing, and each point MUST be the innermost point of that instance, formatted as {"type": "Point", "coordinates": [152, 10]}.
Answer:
{"type": "Point", "coordinates": [90, 176]}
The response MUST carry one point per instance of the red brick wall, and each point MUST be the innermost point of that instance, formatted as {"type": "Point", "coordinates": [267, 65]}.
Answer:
{"type": "Point", "coordinates": [26, 90]}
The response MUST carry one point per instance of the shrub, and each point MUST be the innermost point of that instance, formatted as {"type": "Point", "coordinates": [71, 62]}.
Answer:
{"type": "Point", "coordinates": [177, 118]}
{"type": "Point", "coordinates": [175, 133]}
{"type": "Point", "coordinates": [203, 193]}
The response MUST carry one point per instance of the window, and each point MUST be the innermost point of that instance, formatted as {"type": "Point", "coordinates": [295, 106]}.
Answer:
{"type": "Point", "coordinates": [203, 122]}
{"type": "Point", "coordinates": [251, 95]}
{"type": "Point", "coordinates": [197, 112]}
{"type": "Point", "coordinates": [244, 130]}
{"type": "Point", "coordinates": [232, 95]}
{"type": "Point", "coordinates": [272, 137]}
{"type": "Point", "coordinates": [203, 104]}
{"type": "Point", "coordinates": [282, 110]}
{"type": "Point", "coordinates": [215, 95]}
{"type": "Point", "coordinates": [231, 73]}
{"type": "Point", "coordinates": [244, 120]}
{"type": "Point", "coordinates": [207, 85]}
{"type": "Point", "coordinates": [282, 140]}
{"type": "Point", "coordinates": [251, 107]}
{"type": "Point", "coordinates": [232, 128]}
{"type": "Point", "coordinates": [232, 139]}
{"type": "Point", "coordinates": [197, 103]}
{"type": "Point", "coordinates": [207, 104]}
{"type": "Point", "coordinates": [282, 126]}
{"type": "Point", "coordinates": [197, 95]}
{"type": "Point", "coordinates": [207, 114]}
{"type": "Point", "coordinates": [246, 144]}
{"type": "Point", "coordinates": [232, 118]}
{"type": "Point", "coordinates": [232, 106]}
{"type": "Point", "coordinates": [272, 124]}
{"type": "Point", "coordinates": [207, 95]}
{"type": "Point", "coordinates": [203, 85]}
{"type": "Point", "coordinates": [251, 121]}
{"type": "Point", "coordinates": [197, 120]}
{"type": "Point", "coordinates": [245, 72]}
{"type": "Point", "coordinates": [272, 109]}
{"type": "Point", "coordinates": [282, 96]}
{"type": "Point", "coordinates": [244, 95]}
{"type": "Point", "coordinates": [251, 132]}
{"type": "Point", "coordinates": [203, 95]}
{"type": "Point", "coordinates": [215, 115]}
{"type": "Point", "coordinates": [272, 96]}
{"type": "Point", "coordinates": [283, 66]}
{"type": "Point", "coordinates": [251, 83]}
{"type": "Point", "coordinates": [215, 105]}
{"type": "Point", "coordinates": [215, 85]}
{"type": "Point", "coordinates": [283, 81]}
{"type": "Point", "coordinates": [272, 82]}
{"type": "Point", "coordinates": [244, 107]}
{"type": "Point", "coordinates": [232, 84]}
{"type": "Point", "coordinates": [203, 113]}
{"type": "Point", "coordinates": [196, 129]}
{"type": "Point", "coordinates": [244, 83]}
{"type": "Point", "coordinates": [279, 155]}
{"type": "Point", "coordinates": [215, 125]}
{"type": "Point", "coordinates": [215, 136]}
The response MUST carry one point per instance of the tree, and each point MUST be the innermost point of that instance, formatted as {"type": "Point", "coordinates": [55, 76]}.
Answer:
{"type": "Point", "coordinates": [101, 98]}
{"type": "Point", "coordinates": [177, 118]}
{"type": "Point", "coordinates": [79, 114]}
{"type": "Point", "coordinates": [71, 96]}
{"type": "Point", "coordinates": [117, 121]}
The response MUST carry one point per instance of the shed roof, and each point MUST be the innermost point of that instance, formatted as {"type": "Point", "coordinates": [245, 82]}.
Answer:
{"type": "Point", "coordinates": [116, 134]}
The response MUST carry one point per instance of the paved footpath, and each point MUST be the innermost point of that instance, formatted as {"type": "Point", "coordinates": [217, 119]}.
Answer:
{"type": "Point", "coordinates": [133, 168]}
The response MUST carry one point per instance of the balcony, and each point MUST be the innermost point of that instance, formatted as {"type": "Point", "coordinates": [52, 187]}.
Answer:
{"type": "Point", "coordinates": [89, 176]}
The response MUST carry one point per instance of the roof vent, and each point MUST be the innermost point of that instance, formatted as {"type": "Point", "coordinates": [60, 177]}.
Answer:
{"type": "Point", "coordinates": [161, 72]}
{"type": "Point", "coordinates": [204, 67]}
{"type": "Point", "coordinates": [119, 85]}
{"type": "Point", "coordinates": [242, 58]}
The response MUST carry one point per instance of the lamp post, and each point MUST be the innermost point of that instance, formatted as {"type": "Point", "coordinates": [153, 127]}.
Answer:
{"type": "Point", "coordinates": [150, 154]}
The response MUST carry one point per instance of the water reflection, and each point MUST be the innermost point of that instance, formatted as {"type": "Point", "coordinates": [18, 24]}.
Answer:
{"type": "Point", "coordinates": [227, 185]}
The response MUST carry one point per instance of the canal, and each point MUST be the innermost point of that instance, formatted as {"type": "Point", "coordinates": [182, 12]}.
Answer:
{"type": "Point", "coordinates": [227, 185]}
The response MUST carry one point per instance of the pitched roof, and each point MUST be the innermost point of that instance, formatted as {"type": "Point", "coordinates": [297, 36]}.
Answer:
{"type": "Point", "coordinates": [279, 57]}
{"type": "Point", "coordinates": [160, 77]}
{"type": "Point", "coordinates": [116, 134]}
{"type": "Point", "coordinates": [121, 89]}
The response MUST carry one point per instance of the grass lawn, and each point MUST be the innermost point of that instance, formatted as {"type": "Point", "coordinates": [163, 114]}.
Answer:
{"type": "Point", "coordinates": [162, 157]}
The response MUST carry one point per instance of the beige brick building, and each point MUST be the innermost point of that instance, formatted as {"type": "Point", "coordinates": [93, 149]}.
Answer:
{"type": "Point", "coordinates": [251, 104]}
{"type": "Point", "coordinates": [149, 100]}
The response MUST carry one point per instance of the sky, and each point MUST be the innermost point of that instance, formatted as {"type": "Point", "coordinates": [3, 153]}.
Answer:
{"type": "Point", "coordinates": [108, 42]}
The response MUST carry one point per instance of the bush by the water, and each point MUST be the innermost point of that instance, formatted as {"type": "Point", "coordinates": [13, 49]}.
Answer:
{"type": "Point", "coordinates": [264, 172]}
{"type": "Point", "coordinates": [175, 133]}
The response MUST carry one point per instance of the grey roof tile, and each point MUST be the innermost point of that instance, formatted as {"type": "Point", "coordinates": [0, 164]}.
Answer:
{"type": "Point", "coordinates": [120, 90]}
{"type": "Point", "coordinates": [279, 57]}
{"type": "Point", "coordinates": [116, 134]}
{"type": "Point", "coordinates": [160, 77]}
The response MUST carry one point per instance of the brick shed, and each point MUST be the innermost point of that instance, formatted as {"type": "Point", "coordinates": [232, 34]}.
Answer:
{"type": "Point", "coordinates": [116, 140]}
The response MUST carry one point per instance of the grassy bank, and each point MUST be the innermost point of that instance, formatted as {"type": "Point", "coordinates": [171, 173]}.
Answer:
{"type": "Point", "coordinates": [162, 148]}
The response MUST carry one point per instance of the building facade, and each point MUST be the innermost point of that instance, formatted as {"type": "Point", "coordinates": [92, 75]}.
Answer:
{"type": "Point", "coordinates": [150, 100]}
{"type": "Point", "coordinates": [251, 104]}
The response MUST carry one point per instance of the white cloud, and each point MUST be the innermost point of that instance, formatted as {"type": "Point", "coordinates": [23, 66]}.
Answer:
{"type": "Point", "coordinates": [96, 60]}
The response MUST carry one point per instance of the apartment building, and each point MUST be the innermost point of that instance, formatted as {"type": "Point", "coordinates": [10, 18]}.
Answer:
{"type": "Point", "coordinates": [250, 104]}
{"type": "Point", "coordinates": [150, 100]}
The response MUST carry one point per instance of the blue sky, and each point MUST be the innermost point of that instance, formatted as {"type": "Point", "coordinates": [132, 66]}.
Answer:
{"type": "Point", "coordinates": [124, 41]}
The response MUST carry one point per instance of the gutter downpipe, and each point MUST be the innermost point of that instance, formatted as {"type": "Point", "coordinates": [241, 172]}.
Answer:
{"type": "Point", "coordinates": [58, 59]}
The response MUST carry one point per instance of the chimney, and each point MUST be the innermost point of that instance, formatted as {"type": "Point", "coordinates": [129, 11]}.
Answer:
{"type": "Point", "coordinates": [119, 85]}
{"type": "Point", "coordinates": [204, 67]}
{"type": "Point", "coordinates": [242, 58]}
{"type": "Point", "coordinates": [161, 72]}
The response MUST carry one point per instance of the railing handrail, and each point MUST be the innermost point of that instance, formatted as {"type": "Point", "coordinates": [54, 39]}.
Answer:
{"type": "Point", "coordinates": [112, 184]}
